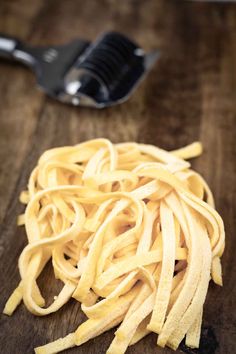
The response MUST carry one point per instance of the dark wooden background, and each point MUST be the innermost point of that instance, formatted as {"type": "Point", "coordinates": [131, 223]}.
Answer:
{"type": "Point", "coordinates": [190, 95]}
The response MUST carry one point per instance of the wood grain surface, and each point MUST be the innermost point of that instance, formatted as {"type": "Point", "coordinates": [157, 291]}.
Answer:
{"type": "Point", "coordinates": [189, 95]}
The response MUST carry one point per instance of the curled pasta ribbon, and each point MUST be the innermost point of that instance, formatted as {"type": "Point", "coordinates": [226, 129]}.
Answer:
{"type": "Point", "coordinates": [133, 235]}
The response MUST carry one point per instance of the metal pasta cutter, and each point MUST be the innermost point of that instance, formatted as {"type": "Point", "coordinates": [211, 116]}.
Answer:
{"type": "Point", "coordinates": [98, 74]}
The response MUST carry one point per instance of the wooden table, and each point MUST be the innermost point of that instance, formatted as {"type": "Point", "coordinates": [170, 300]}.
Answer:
{"type": "Point", "coordinates": [190, 95]}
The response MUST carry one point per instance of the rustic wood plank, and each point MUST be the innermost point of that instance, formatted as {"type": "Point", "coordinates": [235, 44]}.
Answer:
{"type": "Point", "coordinates": [190, 95]}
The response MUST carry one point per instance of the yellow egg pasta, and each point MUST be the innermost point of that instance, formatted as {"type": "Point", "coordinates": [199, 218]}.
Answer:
{"type": "Point", "coordinates": [132, 233]}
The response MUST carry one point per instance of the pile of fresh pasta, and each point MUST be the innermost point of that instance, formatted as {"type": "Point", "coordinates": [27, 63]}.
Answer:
{"type": "Point", "coordinates": [132, 233]}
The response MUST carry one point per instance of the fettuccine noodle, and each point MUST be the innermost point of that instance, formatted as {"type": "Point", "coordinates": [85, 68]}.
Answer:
{"type": "Point", "coordinates": [132, 233]}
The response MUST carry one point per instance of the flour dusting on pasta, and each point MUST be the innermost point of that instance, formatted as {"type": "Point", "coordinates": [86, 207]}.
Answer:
{"type": "Point", "coordinates": [132, 233]}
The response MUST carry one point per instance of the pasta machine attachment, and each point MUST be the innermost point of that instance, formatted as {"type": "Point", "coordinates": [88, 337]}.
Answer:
{"type": "Point", "coordinates": [98, 74]}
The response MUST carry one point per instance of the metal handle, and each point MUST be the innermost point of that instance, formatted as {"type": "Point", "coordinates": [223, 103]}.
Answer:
{"type": "Point", "coordinates": [8, 46]}
{"type": "Point", "coordinates": [13, 49]}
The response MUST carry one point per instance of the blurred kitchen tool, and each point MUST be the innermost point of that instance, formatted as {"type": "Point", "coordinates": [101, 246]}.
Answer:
{"type": "Point", "coordinates": [96, 74]}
